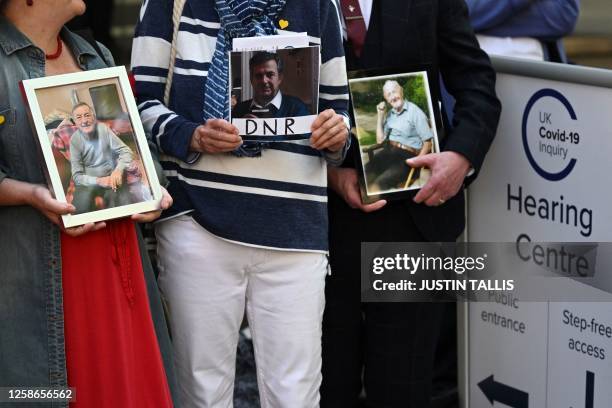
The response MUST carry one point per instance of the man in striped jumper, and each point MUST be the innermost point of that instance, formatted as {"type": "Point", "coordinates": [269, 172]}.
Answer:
{"type": "Point", "coordinates": [243, 230]}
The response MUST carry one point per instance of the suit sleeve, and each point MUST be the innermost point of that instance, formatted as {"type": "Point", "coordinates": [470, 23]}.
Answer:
{"type": "Point", "coordinates": [470, 79]}
{"type": "Point", "coordinates": [543, 19]}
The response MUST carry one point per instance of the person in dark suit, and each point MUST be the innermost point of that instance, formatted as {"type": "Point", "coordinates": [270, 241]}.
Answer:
{"type": "Point", "coordinates": [266, 75]}
{"type": "Point", "coordinates": [388, 349]}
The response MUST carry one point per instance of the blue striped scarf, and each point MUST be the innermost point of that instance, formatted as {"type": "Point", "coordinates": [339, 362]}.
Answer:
{"type": "Point", "coordinates": [239, 18]}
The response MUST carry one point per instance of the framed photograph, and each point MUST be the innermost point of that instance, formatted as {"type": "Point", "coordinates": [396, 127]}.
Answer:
{"type": "Point", "coordinates": [395, 120]}
{"type": "Point", "coordinates": [93, 144]}
{"type": "Point", "coordinates": [274, 94]}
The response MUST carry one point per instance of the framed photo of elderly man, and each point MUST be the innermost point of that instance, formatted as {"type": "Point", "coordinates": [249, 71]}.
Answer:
{"type": "Point", "coordinates": [93, 144]}
{"type": "Point", "coordinates": [395, 120]}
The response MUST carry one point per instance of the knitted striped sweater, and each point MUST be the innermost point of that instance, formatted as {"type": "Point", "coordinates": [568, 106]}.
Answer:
{"type": "Point", "coordinates": [278, 200]}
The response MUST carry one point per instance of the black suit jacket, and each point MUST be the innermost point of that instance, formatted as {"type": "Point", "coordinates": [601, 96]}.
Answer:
{"type": "Point", "coordinates": [436, 33]}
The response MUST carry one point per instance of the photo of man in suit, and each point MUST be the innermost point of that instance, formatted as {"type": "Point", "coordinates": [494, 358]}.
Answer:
{"type": "Point", "coordinates": [266, 76]}
{"type": "Point", "coordinates": [387, 350]}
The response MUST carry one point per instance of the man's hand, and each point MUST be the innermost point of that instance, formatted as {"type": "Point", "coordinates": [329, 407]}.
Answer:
{"type": "Point", "coordinates": [41, 199]}
{"type": "Point", "coordinates": [116, 179]}
{"type": "Point", "coordinates": [151, 216]}
{"type": "Point", "coordinates": [328, 131]}
{"type": "Point", "coordinates": [344, 181]}
{"type": "Point", "coordinates": [215, 136]}
{"type": "Point", "coordinates": [448, 170]}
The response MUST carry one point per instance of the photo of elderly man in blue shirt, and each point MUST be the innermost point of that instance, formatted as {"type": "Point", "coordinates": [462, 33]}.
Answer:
{"type": "Point", "coordinates": [407, 132]}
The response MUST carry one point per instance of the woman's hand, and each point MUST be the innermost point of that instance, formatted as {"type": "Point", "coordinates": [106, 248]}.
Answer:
{"type": "Point", "coordinates": [329, 131]}
{"type": "Point", "coordinates": [151, 216]}
{"type": "Point", "coordinates": [215, 136]}
{"type": "Point", "coordinates": [41, 199]}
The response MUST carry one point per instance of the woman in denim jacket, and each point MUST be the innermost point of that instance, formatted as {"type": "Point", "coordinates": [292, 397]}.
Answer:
{"type": "Point", "coordinates": [75, 307]}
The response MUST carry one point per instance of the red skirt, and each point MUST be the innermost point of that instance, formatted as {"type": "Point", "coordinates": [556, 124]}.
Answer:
{"type": "Point", "coordinates": [112, 354]}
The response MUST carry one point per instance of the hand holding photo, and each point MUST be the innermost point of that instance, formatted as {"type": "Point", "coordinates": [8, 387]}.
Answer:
{"type": "Point", "coordinates": [274, 94]}
{"type": "Point", "coordinates": [93, 144]}
{"type": "Point", "coordinates": [395, 121]}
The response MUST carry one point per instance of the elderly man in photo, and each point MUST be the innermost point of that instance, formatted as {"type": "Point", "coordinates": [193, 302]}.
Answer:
{"type": "Point", "coordinates": [266, 75]}
{"type": "Point", "coordinates": [98, 159]}
{"type": "Point", "coordinates": [406, 128]}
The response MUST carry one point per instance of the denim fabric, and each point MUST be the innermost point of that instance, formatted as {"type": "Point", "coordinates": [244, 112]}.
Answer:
{"type": "Point", "coordinates": [31, 314]}
{"type": "Point", "coordinates": [408, 127]}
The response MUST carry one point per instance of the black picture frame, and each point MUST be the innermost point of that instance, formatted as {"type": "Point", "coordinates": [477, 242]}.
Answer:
{"type": "Point", "coordinates": [362, 83]}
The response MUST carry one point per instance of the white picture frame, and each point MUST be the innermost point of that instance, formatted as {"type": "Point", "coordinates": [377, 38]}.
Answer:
{"type": "Point", "coordinates": [108, 94]}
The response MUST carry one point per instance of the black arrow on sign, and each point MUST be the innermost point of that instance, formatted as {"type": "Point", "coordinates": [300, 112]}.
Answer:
{"type": "Point", "coordinates": [496, 391]}
{"type": "Point", "coordinates": [590, 389]}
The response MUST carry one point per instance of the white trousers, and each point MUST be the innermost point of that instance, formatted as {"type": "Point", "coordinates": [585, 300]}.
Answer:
{"type": "Point", "coordinates": [207, 281]}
